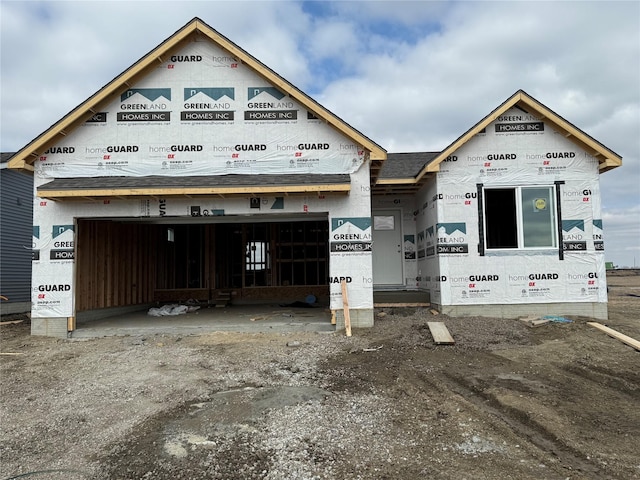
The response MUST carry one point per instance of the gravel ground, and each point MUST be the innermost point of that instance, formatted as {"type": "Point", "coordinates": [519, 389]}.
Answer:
{"type": "Point", "coordinates": [507, 401]}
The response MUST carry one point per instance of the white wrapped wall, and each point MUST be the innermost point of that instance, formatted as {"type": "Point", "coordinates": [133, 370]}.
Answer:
{"type": "Point", "coordinates": [200, 113]}
{"type": "Point", "coordinates": [519, 150]}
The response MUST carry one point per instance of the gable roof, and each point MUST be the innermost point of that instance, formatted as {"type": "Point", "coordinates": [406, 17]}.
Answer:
{"type": "Point", "coordinates": [24, 158]}
{"type": "Point", "coordinates": [400, 170]}
{"type": "Point", "coordinates": [607, 158]}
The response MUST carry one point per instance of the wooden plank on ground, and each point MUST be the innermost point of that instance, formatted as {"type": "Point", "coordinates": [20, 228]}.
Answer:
{"type": "Point", "coordinates": [345, 306]}
{"type": "Point", "coordinates": [415, 304]}
{"type": "Point", "coordinates": [11, 322]}
{"type": "Point", "coordinates": [440, 334]}
{"type": "Point", "coordinates": [632, 342]}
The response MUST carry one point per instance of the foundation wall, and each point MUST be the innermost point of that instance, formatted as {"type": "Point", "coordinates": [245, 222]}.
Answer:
{"type": "Point", "coordinates": [595, 310]}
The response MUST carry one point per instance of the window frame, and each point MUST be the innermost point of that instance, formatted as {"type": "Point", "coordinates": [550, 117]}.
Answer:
{"type": "Point", "coordinates": [519, 219]}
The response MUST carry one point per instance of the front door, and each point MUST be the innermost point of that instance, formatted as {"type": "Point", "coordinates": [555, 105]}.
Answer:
{"type": "Point", "coordinates": [387, 248]}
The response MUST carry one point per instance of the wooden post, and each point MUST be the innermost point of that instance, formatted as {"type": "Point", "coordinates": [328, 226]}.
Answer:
{"type": "Point", "coordinates": [333, 317]}
{"type": "Point", "coordinates": [345, 306]}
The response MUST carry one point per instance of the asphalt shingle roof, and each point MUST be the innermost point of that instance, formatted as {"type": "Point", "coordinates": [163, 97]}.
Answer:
{"type": "Point", "coordinates": [5, 156]}
{"type": "Point", "coordinates": [405, 165]}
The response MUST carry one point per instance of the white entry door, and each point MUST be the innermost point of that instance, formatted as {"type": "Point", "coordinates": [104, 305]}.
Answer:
{"type": "Point", "coordinates": [387, 247]}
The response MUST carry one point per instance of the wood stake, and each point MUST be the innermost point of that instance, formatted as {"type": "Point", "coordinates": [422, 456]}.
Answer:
{"type": "Point", "coordinates": [632, 342]}
{"type": "Point", "coordinates": [345, 306]}
{"type": "Point", "coordinates": [333, 317]}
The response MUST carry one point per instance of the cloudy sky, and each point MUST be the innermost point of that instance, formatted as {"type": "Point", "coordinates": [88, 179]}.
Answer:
{"type": "Point", "coordinates": [412, 76]}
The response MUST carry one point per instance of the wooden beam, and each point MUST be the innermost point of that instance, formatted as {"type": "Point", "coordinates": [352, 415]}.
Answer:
{"type": "Point", "coordinates": [11, 322]}
{"type": "Point", "coordinates": [345, 306]}
{"type": "Point", "coordinates": [632, 342]}
{"type": "Point", "coordinates": [397, 181]}
{"type": "Point", "coordinates": [608, 164]}
{"type": "Point", "coordinates": [190, 191]}
{"type": "Point", "coordinates": [440, 334]}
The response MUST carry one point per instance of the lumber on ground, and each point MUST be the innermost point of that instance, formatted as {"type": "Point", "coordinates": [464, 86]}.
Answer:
{"type": "Point", "coordinates": [440, 334]}
{"type": "Point", "coordinates": [632, 342]}
{"type": "Point", "coordinates": [11, 322]}
{"type": "Point", "coordinates": [345, 306]}
{"type": "Point", "coordinates": [535, 321]}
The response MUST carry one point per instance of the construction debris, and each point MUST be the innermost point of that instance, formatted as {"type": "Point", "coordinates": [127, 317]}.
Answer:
{"type": "Point", "coordinates": [372, 349]}
{"type": "Point", "coordinates": [537, 321]}
{"type": "Point", "coordinates": [632, 342]}
{"type": "Point", "coordinates": [440, 334]}
{"type": "Point", "coordinates": [534, 321]}
{"type": "Point", "coordinates": [11, 322]}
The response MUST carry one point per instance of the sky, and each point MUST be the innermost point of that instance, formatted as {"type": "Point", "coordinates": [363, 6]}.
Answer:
{"type": "Point", "coordinates": [412, 76]}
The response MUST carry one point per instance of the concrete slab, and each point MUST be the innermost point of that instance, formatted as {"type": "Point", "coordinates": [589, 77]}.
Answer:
{"type": "Point", "coordinates": [245, 318]}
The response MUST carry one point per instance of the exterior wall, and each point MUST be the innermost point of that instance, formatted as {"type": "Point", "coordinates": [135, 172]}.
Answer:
{"type": "Point", "coordinates": [519, 150]}
{"type": "Point", "coordinates": [54, 276]}
{"type": "Point", "coordinates": [205, 116]}
{"type": "Point", "coordinates": [426, 221]}
{"type": "Point", "coordinates": [15, 232]}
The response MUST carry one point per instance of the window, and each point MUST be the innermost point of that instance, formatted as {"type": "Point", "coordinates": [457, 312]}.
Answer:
{"type": "Point", "coordinates": [520, 217]}
{"type": "Point", "coordinates": [257, 256]}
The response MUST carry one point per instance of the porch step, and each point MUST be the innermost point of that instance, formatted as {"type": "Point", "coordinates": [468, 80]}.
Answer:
{"type": "Point", "coordinates": [223, 299]}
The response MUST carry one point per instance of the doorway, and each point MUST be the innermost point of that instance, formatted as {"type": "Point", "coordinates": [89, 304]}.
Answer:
{"type": "Point", "coordinates": [388, 259]}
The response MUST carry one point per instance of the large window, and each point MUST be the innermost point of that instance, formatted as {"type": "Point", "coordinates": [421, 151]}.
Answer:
{"type": "Point", "coordinates": [520, 217]}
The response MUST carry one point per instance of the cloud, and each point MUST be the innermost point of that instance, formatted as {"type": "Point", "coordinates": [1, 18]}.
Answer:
{"type": "Point", "coordinates": [622, 236]}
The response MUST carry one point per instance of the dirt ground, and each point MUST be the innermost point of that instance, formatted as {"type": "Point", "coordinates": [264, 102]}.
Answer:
{"type": "Point", "coordinates": [507, 401]}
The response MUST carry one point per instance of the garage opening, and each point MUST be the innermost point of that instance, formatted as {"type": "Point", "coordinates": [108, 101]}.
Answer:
{"type": "Point", "coordinates": [122, 263]}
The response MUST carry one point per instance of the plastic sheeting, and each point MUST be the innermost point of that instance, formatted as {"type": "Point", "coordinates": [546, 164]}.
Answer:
{"type": "Point", "coordinates": [201, 113]}
{"type": "Point", "coordinates": [171, 310]}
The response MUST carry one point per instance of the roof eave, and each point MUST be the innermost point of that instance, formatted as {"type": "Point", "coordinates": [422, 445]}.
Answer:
{"type": "Point", "coordinates": [252, 191]}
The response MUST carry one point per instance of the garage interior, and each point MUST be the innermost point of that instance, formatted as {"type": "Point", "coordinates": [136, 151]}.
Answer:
{"type": "Point", "coordinates": [125, 262]}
